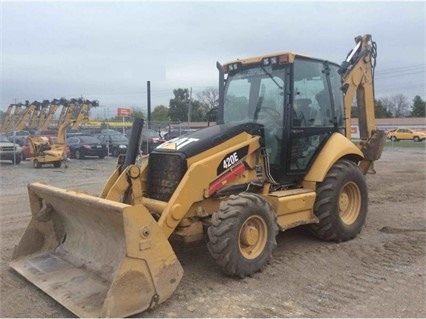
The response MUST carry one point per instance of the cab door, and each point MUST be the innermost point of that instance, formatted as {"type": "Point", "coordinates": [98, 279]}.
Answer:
{"type": "Point", "coordinates": [315, 111]}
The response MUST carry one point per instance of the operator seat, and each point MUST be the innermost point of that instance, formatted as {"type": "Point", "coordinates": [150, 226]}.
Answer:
{"type": "Point", "coordinates": [324, 107]}
{"type": "Point", "coordinates": [304, 113]}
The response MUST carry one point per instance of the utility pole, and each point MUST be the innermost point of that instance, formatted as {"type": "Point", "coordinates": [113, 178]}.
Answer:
{"type": "Point", "coordinates": [148, 89]}
{"type": "Point", "coordinates": [189, 107]}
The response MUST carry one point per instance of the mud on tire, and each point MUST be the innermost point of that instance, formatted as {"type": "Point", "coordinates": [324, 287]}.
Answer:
{"type": "Point", "coordinates": [242, 234]}
{"type": "Point", "coordinates": [341, 203]}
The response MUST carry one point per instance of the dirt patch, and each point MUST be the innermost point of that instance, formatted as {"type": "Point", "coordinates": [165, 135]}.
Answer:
{"type": "Point", "coordinates": [380, 273]}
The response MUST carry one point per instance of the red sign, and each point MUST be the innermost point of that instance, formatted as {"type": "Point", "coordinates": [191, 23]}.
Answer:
{"type": "Point", "coordinates": [121, 111]}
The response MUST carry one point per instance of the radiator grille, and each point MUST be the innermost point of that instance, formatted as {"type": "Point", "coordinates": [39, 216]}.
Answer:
{"type": "Point", "coordinates": [165, 174]}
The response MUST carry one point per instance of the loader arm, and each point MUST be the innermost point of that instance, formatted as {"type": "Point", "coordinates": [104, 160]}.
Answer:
{"type": "Point", "coordinates": [44, 123]}
{"type": "Point", "coordinates": [6, 118]}
{"type": "Point", "coordinates": [25, 116]}
{"type": "Point", "coordinates": [358, 82]}
{"type": "Point", "coordinates": [82, 115]}
{"type": "Point", "coordinates": [64, 112]}
{"type": "Point", "coordinates": [10, 125]}
{"type": "Point", "coordinates": [68, 114]}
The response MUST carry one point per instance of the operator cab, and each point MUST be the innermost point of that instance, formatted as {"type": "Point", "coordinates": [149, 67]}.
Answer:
{"type": "Point", "coordinates": [297, 99]}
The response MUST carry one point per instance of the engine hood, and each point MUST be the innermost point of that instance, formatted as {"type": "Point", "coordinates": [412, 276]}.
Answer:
{"type": "Point", "coordinates": [199, 141]}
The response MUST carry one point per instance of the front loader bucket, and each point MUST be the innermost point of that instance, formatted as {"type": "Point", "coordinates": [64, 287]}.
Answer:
{"type": "Point", "coordinates": [97, 257]}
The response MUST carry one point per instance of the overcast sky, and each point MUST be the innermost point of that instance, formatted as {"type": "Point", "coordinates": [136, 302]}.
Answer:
{"type": "Point", "coordinates": [109, 50]}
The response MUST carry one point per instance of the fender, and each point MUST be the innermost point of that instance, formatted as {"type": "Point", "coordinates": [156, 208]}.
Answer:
{"type": "Point", "coordinates": [337, 147]}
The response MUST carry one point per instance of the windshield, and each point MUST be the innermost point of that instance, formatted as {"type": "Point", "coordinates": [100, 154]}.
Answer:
{"type": "Point", "coordinates": [119, 138]}
{"type": "Point", "coordinates": [4, 139]}
{"type": "Point", "coordinates": [150, 133]}
{"type": "Point", "coordinates": [253, 89]}
{"type": "Point", "coordinates": [89, 139]}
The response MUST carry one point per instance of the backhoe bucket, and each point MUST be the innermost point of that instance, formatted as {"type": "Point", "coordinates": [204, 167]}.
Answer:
{"type": "Point", "coordinates": [97, 257]}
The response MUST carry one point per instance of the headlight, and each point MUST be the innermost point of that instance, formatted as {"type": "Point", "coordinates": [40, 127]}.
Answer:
{"type": "Point", "coordinates": [122, 146]}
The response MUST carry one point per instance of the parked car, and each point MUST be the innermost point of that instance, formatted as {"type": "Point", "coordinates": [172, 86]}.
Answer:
{"type": "Point", "coordinates": [110, 131]}
{"type": "Point", "coordinates": [405, 134]}
{"type": "Point", "coordinates": [86, 145]}
{"type": "Point", "coordinates": [116, 143]}
{"type": "Point", "coordinates": [176, 133]}
{"type": "Point", "coordinates": [150, 140]}
{"type": "Point", "coordinates": [17, 137]}
{"type": "Point", "coordinates": [9, 151]}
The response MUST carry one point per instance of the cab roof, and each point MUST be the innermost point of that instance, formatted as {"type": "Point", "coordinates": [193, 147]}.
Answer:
{"type": "Point", "coordinates": [290, 57]}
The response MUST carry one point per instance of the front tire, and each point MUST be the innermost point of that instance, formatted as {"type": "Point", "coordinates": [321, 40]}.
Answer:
{"type": "Point", "coordinates": [416, 139]}
{"type": "Point", "coordinates": [78, 154]}
{"type": "Point", "coordinates": [341, 203]}
{"type": "Point", "coordinates": [393, 139]}
{"type": "Point", "coordinates": [242, 234]}
{"type": "Point", "coordinates": [57, 164]}
{"type": "Point", "coordinates": [36, 164]}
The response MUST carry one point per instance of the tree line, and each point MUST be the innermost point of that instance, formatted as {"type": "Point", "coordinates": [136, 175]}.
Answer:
{"type": "Point", "coordinates": [397, 105]}
{"type": "Point", "coordinates": [184, 108]}
{"type": "Point", "coordinates": [203, 108]}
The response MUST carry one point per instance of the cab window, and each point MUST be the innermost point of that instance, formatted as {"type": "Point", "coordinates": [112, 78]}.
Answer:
{"type": "Point", "coordinates": [311, 99]}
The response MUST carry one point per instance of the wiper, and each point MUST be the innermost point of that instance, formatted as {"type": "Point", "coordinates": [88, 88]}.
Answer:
{"type": "Point", "coordinates": [272, 77]}
{"type": "Point", "coordinates": [258, 105]}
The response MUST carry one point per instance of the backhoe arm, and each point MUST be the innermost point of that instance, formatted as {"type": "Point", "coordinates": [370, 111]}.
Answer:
{"type": "Point", "coordinates": [357, 73]}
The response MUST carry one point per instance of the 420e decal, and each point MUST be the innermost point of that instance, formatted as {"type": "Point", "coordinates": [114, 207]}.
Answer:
{"type": "Point", "coordinates": [231, 158]}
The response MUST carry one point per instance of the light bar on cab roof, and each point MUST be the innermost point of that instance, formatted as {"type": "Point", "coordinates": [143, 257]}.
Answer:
{"type": "Point", "coordinates": [275, 60]}
{"type": "Point", "coordinates": [283, 59]}
{"type": "Point", "coordinates": [280, 59]}
{"type": "Point", "coordinates": [269, 60]}
{"type": "Point", "coordinates": [232, 67]}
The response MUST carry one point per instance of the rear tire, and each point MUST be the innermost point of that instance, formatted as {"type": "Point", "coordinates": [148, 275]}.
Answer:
{"type": "Point", "coordinates": [57, 164]}
{"type": "Point", "coordinates": [341, 203]}
{"type": "Point", "coordinates": [242, 234]}
{"type": "Point", "coordinates": [416, 139]}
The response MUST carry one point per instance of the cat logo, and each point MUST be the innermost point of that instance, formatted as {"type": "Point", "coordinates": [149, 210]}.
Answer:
{"type": "Point", "coordinates": [178, 143]}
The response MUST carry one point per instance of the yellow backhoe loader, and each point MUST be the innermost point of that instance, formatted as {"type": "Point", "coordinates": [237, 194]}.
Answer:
{"type": "Point", "coordinates": [280, 156]}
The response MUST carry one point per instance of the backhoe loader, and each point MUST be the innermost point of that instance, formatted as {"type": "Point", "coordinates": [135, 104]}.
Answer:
{"type": "Point", "coordinates": [280, 156]}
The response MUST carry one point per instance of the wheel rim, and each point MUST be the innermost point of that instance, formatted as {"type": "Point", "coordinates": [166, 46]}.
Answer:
{"type": "Point", "coordinates": [253, 237]}
{"type": "Point", "coordinates": [349, 203]}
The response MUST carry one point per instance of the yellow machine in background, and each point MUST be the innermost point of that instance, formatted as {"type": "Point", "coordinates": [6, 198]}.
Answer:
{"type": "Point", "coordinates": [55, 153]}
{"type": "Point", "coordinates": [46, 152]}
{"type": "Point", "coordinates": [280, 156]}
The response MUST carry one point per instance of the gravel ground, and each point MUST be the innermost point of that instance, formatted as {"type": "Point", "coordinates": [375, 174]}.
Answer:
{"type": "Point", "coordinates": [381, 273]}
